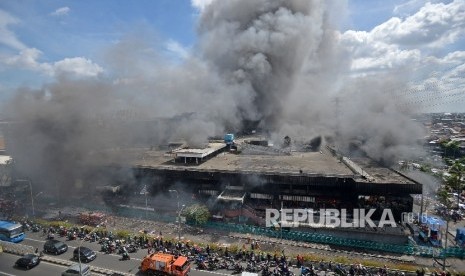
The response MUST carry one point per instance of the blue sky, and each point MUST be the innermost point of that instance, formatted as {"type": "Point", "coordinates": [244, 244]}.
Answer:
{"type": "Point", "coordinates": [82, 27]}
{"type": "Point", "coordinates": [39, 38]}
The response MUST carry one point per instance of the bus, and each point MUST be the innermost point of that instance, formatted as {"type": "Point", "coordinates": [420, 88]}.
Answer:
{"type": "Point", "coordinates": [10, 231]}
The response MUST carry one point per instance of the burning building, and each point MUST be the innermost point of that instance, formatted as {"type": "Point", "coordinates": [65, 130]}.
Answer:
{"type": "Point", "coordinates": [234, 181]}
{"type": "Point", "coordinates": [272, 65]}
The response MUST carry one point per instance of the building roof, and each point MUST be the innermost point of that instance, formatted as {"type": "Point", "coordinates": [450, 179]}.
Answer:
{"type": "Point", "coordinates": [4, 159]}
{"type": "Point", "coordinates": [311, 164]}
{"type": "Point", "coordinates": [198, 153]}
{"type": "Point", "coordinates": [2, 143]}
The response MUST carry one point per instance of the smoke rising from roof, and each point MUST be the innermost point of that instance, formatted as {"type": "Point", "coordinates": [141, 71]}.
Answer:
{"type": "Point", "coordinates": [276, 62]}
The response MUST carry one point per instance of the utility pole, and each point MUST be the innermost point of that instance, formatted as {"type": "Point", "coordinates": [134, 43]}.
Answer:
{"type": "Point", "coordinates": [30, 190]}
{"type": "Point", "coordinates": [144, 192]}
{"type": "Point", "coordinates": [179, 213]}
{"type": "Point", "coordinates": [146, 205]}
{"type": "Point", "coordinates": [281, 228]}
{"type": "Point", "coordinates": [337, 116]}
{"type": "Point", "coordinates": [79, 248]}
{"type": "Point", "coordinates": [445, 244]}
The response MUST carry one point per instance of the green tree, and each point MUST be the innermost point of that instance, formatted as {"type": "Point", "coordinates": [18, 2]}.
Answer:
{"type": "Point", "coordinates": [450, 148]}
{"type": "Point", "coordinates": [5, 173]}
{"type": "Point", "coordinates": [425, 168]}
{"type": "Point", "coordinates": [456, 180]}
{"type": "Point", "coordinates": [443, 197]}
{"type": "Point", "coordinates": [197, 214]}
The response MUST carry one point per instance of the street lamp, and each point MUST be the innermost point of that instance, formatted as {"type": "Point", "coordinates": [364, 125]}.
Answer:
{"type": "Point", "coordinates": [445, 243]}
{"type": "Point", "coordinates": [177, 195]}
{"type": "Point", "coordinates": [179, 212]}
{"type": "Point", "coordinates": [144, 192]}
{"type": "Point", "coordinates": [79, 248]}
{"type": "Point", "coordinates": [30, 189]}
{"type": "Point", "coordinates": [179, 221]}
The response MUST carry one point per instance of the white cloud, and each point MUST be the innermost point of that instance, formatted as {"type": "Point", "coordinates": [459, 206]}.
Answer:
{"type": "Point", "coordinates": [61, 11]}
{"type": "Point", "coordinates": [77, 66]}
{"type": "Point", "coordinates": [370, 54]}
{"type": "Point", "coordinates": [27, 59]}
{"type": "Point", "coordinates": [411, 44]}
{"type": "Point", "coordinates": [7, 37]}
{"type": "Point", "coordinates": [177, 49]}
{"type": "Point", "coordinates": [398, 42]}
{"type": "Point", "coordinates": [408, 7]}
{"type": "Point", "coordinates": [201, 4]}
{"type": "Point", "coordinates": [434, 25]}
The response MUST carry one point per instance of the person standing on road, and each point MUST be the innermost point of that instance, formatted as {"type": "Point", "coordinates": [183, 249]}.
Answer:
{"type": "Point", "coordinates": [299, 260]}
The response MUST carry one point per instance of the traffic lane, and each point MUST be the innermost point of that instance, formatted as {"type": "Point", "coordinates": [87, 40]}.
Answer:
{"type": "Point", "coordinates": [108, 261]}
{"type": "Point", "coordinates": [139, 255]}
{"type": "Point", "coordinates": [44, 268]}
{"type": "Point", "coordinates": [39, 239]}
{"type": "Point", "coordinates": [195, 271]}
{"type": "Point", "coordinates": [7, 268]}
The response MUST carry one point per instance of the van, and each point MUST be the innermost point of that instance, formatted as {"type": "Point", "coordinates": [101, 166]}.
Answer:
{"type": "Point", "coordinates": [84, 254]}
{"type": "Point", "coordinates": [55, 247]}
{"type": "Point", "coordinates": [74, 270]}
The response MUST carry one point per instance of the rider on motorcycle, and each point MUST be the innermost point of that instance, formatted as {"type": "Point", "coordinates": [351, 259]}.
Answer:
{"type": "Point", "coordinates": [125, 254]}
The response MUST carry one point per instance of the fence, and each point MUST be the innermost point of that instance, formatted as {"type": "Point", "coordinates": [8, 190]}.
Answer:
{"type": "Point", "coordinates": [15, 248]}
{"type": "Point", "coordinates": [409, 249]}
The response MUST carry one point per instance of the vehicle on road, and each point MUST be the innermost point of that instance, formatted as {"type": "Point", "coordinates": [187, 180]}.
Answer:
{"type": "Point", "coordinates": [84, 254]}
{"type": "Point", "coordinates": [165, 264]}
{"type": "Point", "coordinates": [10, 231]}
{"type": "Point", "coordinates": [55, 247]}
{"type": "Point", "coordinates": [77, 269]}
{"type": "Point", "coordinates": [28, 261]}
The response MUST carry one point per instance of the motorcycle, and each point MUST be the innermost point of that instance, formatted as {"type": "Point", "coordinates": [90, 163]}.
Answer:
{"type": "Point", "coordinates": [132, 248]}
{"type": "Point", "coordinates": [105, 248]}
{"type": "Point", "coordinates": [125, 256]}
{"type": "Point", "coordinates": [202, 266]}
{"type": "Point", "coordinates": [341, 271]}
{"type": "Point", "coordinates": [266, 271]}
{"type": "Point", "coordinates": [238, 269]}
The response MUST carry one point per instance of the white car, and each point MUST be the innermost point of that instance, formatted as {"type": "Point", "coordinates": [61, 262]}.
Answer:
{"type": "Point", "coordinates": [74, 270]}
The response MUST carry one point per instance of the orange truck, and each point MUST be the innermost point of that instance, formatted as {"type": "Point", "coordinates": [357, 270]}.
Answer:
{"type": "Point", "coordinates": [165, 264]}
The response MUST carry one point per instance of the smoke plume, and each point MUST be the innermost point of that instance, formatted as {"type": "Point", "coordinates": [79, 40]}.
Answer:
{"type": "Point", "coordinates": [278, 63]}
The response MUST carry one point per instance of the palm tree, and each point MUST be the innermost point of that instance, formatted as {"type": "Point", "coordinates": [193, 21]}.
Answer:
{"type": "Point", "coordinates": [443, 197]}
{"type": "Point", "coordinates": [454, 146]}
{"type": "Point", "coordinates": [450, 148]}
{"type": "Point", "coordinates": [456, 180]}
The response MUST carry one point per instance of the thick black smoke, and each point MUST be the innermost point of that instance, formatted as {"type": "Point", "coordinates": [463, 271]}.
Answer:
{"type": "Point", "coordinates": [278, 63]}
{"type": "Point", "coordinates": [261, 47]}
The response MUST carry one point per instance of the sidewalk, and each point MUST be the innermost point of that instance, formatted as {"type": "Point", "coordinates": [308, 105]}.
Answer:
{"type": "Point", "coordinates": [198, 235]}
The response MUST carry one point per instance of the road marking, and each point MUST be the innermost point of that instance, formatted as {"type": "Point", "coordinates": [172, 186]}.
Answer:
{"type": "Point", "coordinates": [212, 272]}
{"type": "Point", "coordinates": [34, 240]}
{"type": "Point", "coordinates": [6, 274]}
{"type": "Point", "coordinates": [137, 259]}
{"type": "Point", "coordinates": [97, 252]}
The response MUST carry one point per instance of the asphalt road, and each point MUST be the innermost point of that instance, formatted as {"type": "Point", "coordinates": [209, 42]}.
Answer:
{"type": "Point", "coordinates": [7, 268]}
{"type": "Point", "coordinates": [108, 261]}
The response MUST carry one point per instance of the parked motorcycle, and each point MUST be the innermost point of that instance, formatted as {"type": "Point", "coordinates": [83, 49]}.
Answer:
{"type": "Point", "coordinates": [125, 256]}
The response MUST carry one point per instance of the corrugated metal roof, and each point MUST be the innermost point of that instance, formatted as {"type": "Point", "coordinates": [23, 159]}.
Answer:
{"type": "Point", "coordinates": [4, 159]}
